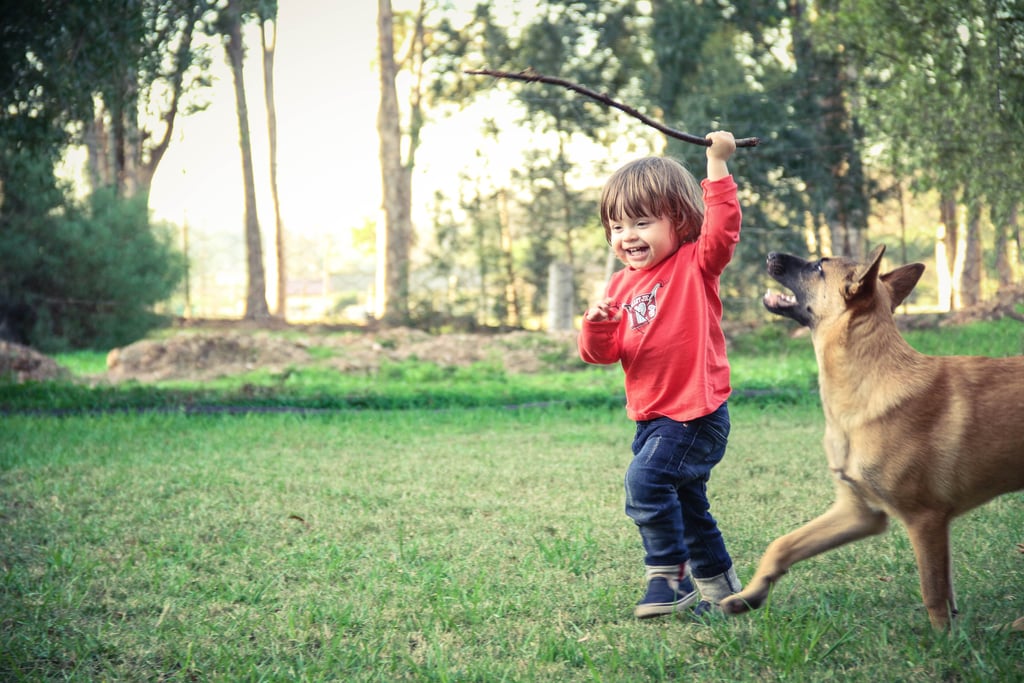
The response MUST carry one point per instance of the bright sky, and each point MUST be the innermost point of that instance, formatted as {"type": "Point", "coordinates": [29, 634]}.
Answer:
{"type": "Point", "coordinates": [326, 93]}
{"type": "Point", "coordinates": [327, 96]}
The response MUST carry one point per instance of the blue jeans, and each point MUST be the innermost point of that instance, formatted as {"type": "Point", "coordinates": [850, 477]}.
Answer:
{"type": "Point", "coordinates": [666, 491]}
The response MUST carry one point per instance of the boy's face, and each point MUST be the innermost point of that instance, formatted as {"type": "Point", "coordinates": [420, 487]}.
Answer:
{"type": "Point", "coordinates": [643, 243]}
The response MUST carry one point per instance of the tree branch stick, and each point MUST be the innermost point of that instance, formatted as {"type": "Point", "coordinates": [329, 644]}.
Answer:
{"type": "Point", "coordinates": [531, 76]}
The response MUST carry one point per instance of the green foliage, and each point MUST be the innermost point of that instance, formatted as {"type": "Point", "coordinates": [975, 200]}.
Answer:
{"type": "Point", "coordinates": [89, 270]}
{"type": "Point", "coordinates": [91, 273]}
{"type": "Point", "coordinates": [770, 368]}
{"type": "Point", "coordinates": [987, 338]}
{"type": "Point", "coordinates": [937, 79]}
{"type": "Point", "coordinates": [397, 386]}
{"type": "Point", "coordinates": [593, 42]}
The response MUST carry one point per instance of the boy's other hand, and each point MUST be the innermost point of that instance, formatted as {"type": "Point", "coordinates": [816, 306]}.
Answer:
{"type": "Point", "coordinates": [604, 311]}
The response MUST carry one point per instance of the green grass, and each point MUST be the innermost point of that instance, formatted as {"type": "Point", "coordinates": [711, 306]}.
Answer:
{"type": "Point", "coordinates": [483, 545]}
{"type": "Point", "coordinates": [988, 338]}
{"type": "Point", "coordinates": [458, 540]}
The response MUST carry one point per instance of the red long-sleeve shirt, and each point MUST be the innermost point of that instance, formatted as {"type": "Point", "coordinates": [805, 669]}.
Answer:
{"type": "Point", "coordinates": [670, 340]}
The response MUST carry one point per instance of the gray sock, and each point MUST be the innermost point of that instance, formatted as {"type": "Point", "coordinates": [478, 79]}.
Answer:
{"type": "Point", "coordinates": [718, 588]}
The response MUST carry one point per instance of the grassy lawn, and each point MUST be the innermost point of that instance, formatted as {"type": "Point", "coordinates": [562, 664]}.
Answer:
{"type": "Point", "coordinates": [451, 544]}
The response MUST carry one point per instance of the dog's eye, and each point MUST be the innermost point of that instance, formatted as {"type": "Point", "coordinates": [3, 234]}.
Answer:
{"type": "Point", "coordinates": [818, 269]}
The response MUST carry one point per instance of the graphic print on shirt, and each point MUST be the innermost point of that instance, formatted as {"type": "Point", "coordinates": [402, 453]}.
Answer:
{"type": "Point", "coordinates": [644, 308]}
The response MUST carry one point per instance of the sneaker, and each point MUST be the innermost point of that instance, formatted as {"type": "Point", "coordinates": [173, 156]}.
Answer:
{"type": "Point", "coordinates": [662, 598]}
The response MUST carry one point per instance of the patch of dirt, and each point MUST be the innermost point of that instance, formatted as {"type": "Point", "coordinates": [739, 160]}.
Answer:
{"type": "Point", "coordinates": [27, 365]}
{"type": "Point", "coordinates": [1003, 305]}
{"type": "Point", "coordinates": [203, 356]}
{"type": "Point", "coordinates": [207, 354]}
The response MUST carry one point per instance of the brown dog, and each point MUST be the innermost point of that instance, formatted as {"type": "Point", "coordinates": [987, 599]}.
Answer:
{"type": "Point", "coordinates": [921, 438]}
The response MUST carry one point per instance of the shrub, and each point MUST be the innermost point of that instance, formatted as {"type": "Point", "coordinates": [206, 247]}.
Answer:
{"type": "Point", "coordinates": [91, 272]}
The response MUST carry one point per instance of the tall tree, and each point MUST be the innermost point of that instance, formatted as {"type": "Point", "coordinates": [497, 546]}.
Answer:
{"type": "Point", "coordinates": [395, 178]}
{"type": "Point", "coordinates": [145, 62]}
{"type": "Point", "coordinates": [230, 24]}
{"type": "Point", "coordinates": [267, 11]}
{"type": "Point", "coordinates": [395, 240]}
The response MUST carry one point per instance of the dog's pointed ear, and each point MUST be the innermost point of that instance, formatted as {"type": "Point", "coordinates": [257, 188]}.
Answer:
{"type": "Point", "coordinates": [902, 280]}
{"type": "Point", "coordinates": [864, 278]}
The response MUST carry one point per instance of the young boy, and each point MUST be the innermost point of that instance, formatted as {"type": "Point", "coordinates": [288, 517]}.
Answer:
{"type": "Point", "coordinates": [661, 318]}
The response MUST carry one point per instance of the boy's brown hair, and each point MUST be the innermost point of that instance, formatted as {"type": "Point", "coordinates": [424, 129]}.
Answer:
{"type": "Point", "coordinates": [655, 187]}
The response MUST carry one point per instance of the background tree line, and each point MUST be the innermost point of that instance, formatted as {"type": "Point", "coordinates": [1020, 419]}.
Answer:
{"type": "Point", "coordinates": [113, 77]}
{"type": "Point", "coordinates": [864, 108]}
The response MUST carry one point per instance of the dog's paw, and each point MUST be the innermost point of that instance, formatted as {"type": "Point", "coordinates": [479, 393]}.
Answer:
{"type": "Point", "coordinates": [735, 605]}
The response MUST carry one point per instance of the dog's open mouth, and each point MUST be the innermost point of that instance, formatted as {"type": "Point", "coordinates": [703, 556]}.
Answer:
{"type": "Point", "coordinates": [774, 301]}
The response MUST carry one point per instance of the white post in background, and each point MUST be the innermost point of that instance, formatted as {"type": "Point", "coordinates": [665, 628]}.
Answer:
{"type": "Point", "coordinates": [380, 278]}
{"type": "Point", "coordinates": [561, 298]}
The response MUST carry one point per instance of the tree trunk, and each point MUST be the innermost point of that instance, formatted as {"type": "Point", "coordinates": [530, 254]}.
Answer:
{"type": "Point", "coordinates": [950, 239]}
{"type": "Point", "coordinates": [271, 104]}
{"type": "Point", "coordinates": [256, 290]}
{"type": "Point", "coordinates": [513, 316]}
{"type": "Point", "coordinates": [1004, 221]}
{"type": "Point", "coordinates": [97, 144]}
{"type": "Point", "coordinates": [395, 178]}
{"type": "Point", "coordinates": [970, 283]}
{"type": "Point", "coordinates": [561, 297]}
{"type": "Point", "coordinates": [1016, 248]}
{"type": "Point", "coordinates": [567, 200]}
{"type": "Point", "coordinates": [1001, 245]}
{"type": "Point", "coordinates": [121, 155]}
{"type": "Point", "coordinates": [150, 160]}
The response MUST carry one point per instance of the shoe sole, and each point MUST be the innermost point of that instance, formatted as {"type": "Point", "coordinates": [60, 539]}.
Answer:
{"type": "Point", "coordinates": [660, 609]}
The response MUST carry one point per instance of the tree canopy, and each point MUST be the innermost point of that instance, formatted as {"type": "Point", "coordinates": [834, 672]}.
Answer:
{"type": "Point", "coordinates": [863, 108]}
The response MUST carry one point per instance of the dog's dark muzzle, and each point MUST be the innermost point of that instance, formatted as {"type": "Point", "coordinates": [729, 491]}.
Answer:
{"type": "Point", "coordinates": [774, 264]}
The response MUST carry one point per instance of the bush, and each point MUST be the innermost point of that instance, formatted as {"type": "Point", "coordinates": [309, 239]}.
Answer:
{"type": "Point", "coordinates": [90, 272]}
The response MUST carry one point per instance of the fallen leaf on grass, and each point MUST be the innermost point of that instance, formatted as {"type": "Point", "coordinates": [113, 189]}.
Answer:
{"type": "Point", "coordinates": [299, 519]}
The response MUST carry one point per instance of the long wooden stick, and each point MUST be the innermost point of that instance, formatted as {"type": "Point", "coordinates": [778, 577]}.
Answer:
{"type": "Point", "coordinates": [531, 76]}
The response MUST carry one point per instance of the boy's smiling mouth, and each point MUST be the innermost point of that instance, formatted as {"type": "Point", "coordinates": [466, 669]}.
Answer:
{"type": "Point", "coordinates": [637, 257]}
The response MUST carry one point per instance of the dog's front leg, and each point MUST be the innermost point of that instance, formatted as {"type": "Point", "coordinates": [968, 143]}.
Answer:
{"type": "Point", "coordinates": [849, 519]}
{"type": "Point", "coordinates": [929, 534]}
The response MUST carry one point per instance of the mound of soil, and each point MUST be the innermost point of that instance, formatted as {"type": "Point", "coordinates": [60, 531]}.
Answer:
{"type": "Point", "coordinates": [27, 365]}
{"type": "Point", "coordinates": [207, 354]}
{"type": "Point", "coordinates": [203, 356]}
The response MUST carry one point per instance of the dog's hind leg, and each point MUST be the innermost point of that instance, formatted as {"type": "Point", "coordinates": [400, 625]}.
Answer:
{"type": "Point", "coordinates": [929, 534]}
{"type": "Point", "coordinates": [849, 519]}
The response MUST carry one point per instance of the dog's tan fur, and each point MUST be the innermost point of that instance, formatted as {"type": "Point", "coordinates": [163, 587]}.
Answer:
{"type": "Point", "coordinates": [916, 437]}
